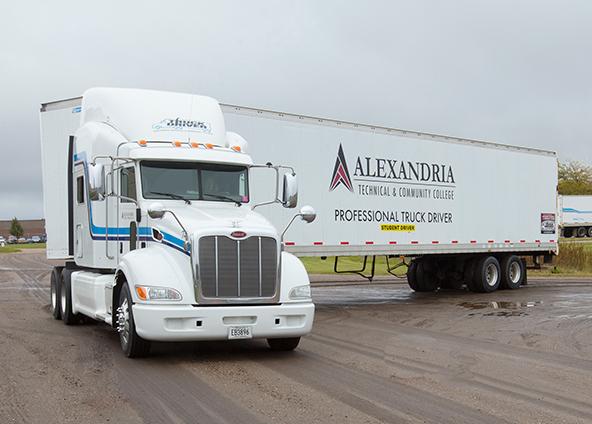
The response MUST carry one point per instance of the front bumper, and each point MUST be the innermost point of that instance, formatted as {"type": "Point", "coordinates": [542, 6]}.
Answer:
{"type": "Point", "coordinates": [186, 322]}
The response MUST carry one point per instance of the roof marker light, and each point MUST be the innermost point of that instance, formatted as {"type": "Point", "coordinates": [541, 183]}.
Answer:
{"type": "Point", "coordinates": [194, 144]}
{"type": "Point", "coordinates": [176, 143]}
{"type": "Point", "coordinates": [209, 146]}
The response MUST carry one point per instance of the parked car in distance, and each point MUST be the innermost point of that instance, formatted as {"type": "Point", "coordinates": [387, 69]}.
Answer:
{"type": "Point", "coordinates": [21, 240]}
{"type": "Point", "coordinates": [12, 239]}
{"type": "Point", "coordinates": [36, 239]}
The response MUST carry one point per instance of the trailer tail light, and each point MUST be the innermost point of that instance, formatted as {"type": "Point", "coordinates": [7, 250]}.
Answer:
{"type": "Point", "coordinates": [392, 242]}
{"type": "Point", "coordinates": [176, 143]}
{"type": "Point", "coordinates": [142, 143]}
{"type": "Point", "coordinates": [289, 243]}
{"type": "Point", "coordinates": [318, 243]}
{"type": "Point", "coordinates": [344, 242]}
{"type": "Point", "coordinates": [369, 242]}
{"type": "Point", "coordinates": [454, 241]}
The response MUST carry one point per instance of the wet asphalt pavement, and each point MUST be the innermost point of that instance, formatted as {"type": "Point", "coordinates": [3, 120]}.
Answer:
{"type": "Point", "coordinates": [378, 353]}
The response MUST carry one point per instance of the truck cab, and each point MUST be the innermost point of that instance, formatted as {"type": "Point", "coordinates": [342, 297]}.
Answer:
{"type": "Point", "coordinates": [165, 242]}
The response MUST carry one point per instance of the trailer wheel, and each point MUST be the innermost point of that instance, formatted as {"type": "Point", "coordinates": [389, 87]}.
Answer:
{"type": "Point", "coordinates": [581, 232]}
{"type": "Point", "coordinates": [567, 232]}
{"type": "Point", "coordinates": [54, 292]}
{"type": "Point", "coordinates": [589, 231]}
{"type": "Point", "coordinates": [412, 276]}
{"type": "Point", "coordinates": [513, 272]}
{"type": "Point", "coordinates": [132, 344]}
{"type": "Point", "coordinates": [487, 275]}
{"type": "Point", "coordinates": [426, 279]}
{"type": "Point", "coordinates": [284, 344]}
{"type": "Point", "coordinates": [68, 317]}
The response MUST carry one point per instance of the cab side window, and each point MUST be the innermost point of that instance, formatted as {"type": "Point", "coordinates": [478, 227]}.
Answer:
{"type": "Point", "coordinates": [128, 184]}
{"type": "Point", "coordinates": [80, 190]}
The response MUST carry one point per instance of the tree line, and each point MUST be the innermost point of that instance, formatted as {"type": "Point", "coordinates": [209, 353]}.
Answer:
{"type": "Point", "coordinates": [574, 178]}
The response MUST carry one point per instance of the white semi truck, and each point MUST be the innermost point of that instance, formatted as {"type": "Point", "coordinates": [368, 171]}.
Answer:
{"type": "Point", "coordinates": [148, 203]}
{"type": "Point", "coordinates": [575, 216]}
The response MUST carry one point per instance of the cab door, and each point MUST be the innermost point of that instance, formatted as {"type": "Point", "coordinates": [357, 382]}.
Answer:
{"type": "Point", "coordinates": [127, 225]}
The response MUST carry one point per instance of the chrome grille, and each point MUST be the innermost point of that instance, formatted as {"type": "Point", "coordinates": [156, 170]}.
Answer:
{"type": "Point", "coordinates": [231, 268]}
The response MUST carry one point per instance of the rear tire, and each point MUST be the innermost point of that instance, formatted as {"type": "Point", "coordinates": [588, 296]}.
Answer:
{"type": "Point", "coordinates": [54, 292]}
{"type": "Point", "coordinates": [581, 232]}
{"type": "Point", "coordinates": [486, 275]}
{"type": "Point", "coordinates": [513, 272]}
{"type": "Point", "coordinates": [132, 344]}
{"type": "Point", "coordinates": [285, 344]}
{"type": "Point", "coordinates": [412, 276]}
{"type": "Point", "coordinates": [65, 290]}
{"type": "Point", "coordinates": [426, 279]}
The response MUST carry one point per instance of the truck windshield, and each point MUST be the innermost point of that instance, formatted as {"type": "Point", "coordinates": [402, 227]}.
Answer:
{"type": "Point", "coordinates": [194, 181]}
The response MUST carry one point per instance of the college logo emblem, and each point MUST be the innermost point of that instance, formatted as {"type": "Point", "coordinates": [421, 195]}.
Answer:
{"type": "Point", "coordinates": [340, 172]}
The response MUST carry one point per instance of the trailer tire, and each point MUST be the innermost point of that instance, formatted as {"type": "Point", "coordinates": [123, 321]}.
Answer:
{"type": "Point", "coordinates": [581, 232]}
{"type": "Point", "coordinates": [132, 344]}
{"type": "Point", "coordinates": [487, 275]}
{"type": "Point", "coordinates": [567, 232]}
{"type": "Point", "coordinates": [589, 231]}
{"type": "Point", "coordinates": [68, 317]}
{"type": "Point", "coordinates": [54, 292]}
{"type": "Point", "coordinates": [284, 344]}
{"type": "Point", "coordinates": [412, 275]}
{"type": "Point", "coordinates": [426, 280]}
{"type": "Point", "coordinates": [513, 272]}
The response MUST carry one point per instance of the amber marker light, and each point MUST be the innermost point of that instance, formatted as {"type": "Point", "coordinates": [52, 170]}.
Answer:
{"type": "Point", "coordinates": [176, 143]}
{"type": "Point", "coordinates": [142, 292]}
{"type": "Point", "coordinates": [194, 144]}
{"type": "Point", "coordinates": [209, 146]}
{"type": "Point", "coordinates": [143, 143]}
{"type": "Point", "coordinates": [236, 148]}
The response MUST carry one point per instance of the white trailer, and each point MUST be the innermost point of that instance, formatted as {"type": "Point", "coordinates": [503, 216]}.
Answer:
{"type": "Point", "coordinates": [147, 202]}
{"type": "Point", "coordinates": [465, 211]}
{"type": "Point", "coordinates": [575, 216]}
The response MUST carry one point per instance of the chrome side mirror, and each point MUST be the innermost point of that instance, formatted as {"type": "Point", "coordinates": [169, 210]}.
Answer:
{"type": "Point", "coordinates": [96, 181]}
{"type": "Point", "coordinates": [290, 194]}
{"type": "Point", "coordinates": [307, 213]}
{"type": "Point", "coordinates": [156, 210]}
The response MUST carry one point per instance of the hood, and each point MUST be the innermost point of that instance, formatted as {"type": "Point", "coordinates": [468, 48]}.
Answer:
{"type": "Point", "coordinates": [220, 218]}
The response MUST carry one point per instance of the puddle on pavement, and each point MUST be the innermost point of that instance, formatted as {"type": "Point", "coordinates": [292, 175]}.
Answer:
{"type": "Point", "coordinates": [353, 295]}
{"type": "Point", "coordinates": [504, 308]}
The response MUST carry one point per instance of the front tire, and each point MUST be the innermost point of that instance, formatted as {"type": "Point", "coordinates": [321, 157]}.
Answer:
{"type": "Point", "coordinates": [285, 344]}
{"type": "Point", "coordinates": [132, 344]}
{"type": "Point", "coordinates": [486, 275]}
{"type": "Point", "coordinates": [54, 292]}
{"type": "Point", "coordinates": [513, 272]}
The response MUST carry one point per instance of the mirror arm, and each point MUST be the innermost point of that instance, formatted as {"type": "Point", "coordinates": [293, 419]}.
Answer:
{"type": "Point", "coordinates": [288, 226]}
{"type": "Point", "coordinates": [184, 231]}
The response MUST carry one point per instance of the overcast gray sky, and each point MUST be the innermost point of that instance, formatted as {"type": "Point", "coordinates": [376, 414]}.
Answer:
{"type": "Point", "coordinates": [510, 71]}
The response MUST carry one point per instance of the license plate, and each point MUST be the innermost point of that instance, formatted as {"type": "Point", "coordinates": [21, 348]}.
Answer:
{"type": "Point", "coordinates": [240, 333]}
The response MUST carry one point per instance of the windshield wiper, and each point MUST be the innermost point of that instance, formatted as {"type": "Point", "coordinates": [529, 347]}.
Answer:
{"type": "Point", "coordinates": [219, 196]}
{"type": "Point", "coordinates": [171, 195]}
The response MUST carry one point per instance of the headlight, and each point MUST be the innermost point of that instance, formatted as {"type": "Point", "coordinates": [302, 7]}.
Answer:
{"type": "Point", "coordinates": [300, 293]}
{"type": "Point", "coordinates": [157, 293]}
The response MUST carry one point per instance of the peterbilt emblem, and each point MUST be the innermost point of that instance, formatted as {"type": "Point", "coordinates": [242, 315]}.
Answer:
{"type": "Point", "coordinates": [238, 234]}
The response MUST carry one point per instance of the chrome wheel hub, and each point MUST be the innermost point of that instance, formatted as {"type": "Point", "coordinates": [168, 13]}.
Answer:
{"type": "Point", "coordinates": [123, 322]}
{"type": "Point", "coordinates": [515, 272]}
{"type": "Point", "coordinates": [491, 275]}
